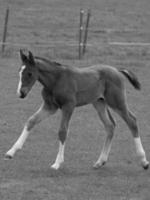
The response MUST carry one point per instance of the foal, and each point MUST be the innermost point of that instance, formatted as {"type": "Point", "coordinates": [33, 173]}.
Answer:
{"type": "Point", "coordinates": [67, 87]}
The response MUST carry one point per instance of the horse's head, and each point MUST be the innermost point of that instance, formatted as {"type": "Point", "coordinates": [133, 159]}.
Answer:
{"type": "Point", "coordinates": [28, 74]}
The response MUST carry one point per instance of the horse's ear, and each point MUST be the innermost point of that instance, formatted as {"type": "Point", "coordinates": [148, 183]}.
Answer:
{"type": "Point", "coordinates": [31, 58]}
{"type": "Point", "coordinates": [23, 56]}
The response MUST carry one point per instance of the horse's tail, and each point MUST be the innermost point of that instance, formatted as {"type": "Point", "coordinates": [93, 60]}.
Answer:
{"type": "Point", "coordinates": [132, 78]}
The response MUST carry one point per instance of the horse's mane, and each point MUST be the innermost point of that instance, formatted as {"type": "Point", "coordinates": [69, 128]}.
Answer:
{"type": "Point", "coordinates": [48, 64]}
{"type": "Point", "coordinates": [48, 61]}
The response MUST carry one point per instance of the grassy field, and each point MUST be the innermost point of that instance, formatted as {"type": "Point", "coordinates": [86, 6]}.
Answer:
{"type": "Point", "coordinates": [54, 24]}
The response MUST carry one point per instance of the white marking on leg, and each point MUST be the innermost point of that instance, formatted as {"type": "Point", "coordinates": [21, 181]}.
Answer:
{"type": "Point", "coordinates": [60, 156]}
{"type": "Point", "coordinates": [140, 151]}
{"type": "Point", "coordinates": [104, 154]}
{"type": "Point", "coordinates": [36, 118]}
{"type": "Point", "coordinates": [109, 124]}
{"type": "Point", "coordinates": [67, 111]}
{"type": "Point", "coordinates": [19, 143]}
{"type": "Point", "coordinates": [106, 151]}
{"type": "Point", "coordinates": [20, 79]}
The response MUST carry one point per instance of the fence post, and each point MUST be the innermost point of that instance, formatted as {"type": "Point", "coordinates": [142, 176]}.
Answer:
{"type": "Point", "coordinates": [5, 30]}
{"type": "Point", "coordinates": [86, 31]}
{"type": "Point", "coordinates": [81, 32]}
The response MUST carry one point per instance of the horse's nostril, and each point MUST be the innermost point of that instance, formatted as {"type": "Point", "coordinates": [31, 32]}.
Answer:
{"type": "Point", "coordinates": [22, 95]}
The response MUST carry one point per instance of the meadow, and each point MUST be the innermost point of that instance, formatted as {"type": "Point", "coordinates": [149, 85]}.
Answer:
{"type": "Point", "coordinates": [50, 28]}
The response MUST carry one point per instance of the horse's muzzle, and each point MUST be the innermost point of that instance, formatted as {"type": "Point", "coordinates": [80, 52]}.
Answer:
{"type": "Point", "coordinates": [22, 95]}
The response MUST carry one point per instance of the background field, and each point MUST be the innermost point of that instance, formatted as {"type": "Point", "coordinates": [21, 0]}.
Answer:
{"type": "Point", "coordinates": [54, 24]}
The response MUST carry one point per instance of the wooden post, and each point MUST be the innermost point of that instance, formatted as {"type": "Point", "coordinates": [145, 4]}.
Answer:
{"type": "Point", "coordinates": [5, 30]}
{"type": "Point", "coordinates": [80, 33]}
{"type": "Point", "coordinates": [86, 31]}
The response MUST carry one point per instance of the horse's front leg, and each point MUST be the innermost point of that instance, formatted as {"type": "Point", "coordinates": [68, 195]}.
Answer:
{"type": "Point", "coordinates": [36, 118]}
{"type": "Point", "coordinates": [67, 111]}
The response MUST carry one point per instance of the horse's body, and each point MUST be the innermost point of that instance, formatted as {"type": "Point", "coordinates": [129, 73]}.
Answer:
{"type": "Point", "coordinates": [67, 87]}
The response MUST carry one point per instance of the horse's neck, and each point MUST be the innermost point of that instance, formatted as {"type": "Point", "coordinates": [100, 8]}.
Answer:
{"type": "Point", "coordinates": [46, 79]}
{"type": "Point", "coordinates": [47, 76]}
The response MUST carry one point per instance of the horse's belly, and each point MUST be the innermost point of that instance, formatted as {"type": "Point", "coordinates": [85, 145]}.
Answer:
{"type": "Point", "coordinates": [86, 97]}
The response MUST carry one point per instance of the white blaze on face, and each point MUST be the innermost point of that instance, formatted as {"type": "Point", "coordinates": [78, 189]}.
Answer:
{"type": "Point", "coordinates": [20, 79]}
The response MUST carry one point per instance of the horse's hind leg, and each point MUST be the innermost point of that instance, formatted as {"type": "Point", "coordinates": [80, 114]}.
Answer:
{"type": "Point", "coordinates": [130, 119]}
{"type": "Point", "coordinates": [109, 124]}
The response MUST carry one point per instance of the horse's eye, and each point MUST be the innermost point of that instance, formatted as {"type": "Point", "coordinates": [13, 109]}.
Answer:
{"type": "Point", "coordinates": [30, 74]}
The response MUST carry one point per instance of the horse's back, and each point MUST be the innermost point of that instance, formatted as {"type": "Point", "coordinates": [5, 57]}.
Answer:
{"type": "Point", "coordinates": [91, 82]}
{"type": "Point", "coordinates": [108, 73]}
{"type": "Point", "coordinates": [85, 78]}
{"type": "Point", "coordinates": [111, 85]}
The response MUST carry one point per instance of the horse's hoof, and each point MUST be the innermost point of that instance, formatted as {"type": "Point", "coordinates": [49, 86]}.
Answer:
{"type": "Point", "coordinates": [55, 166]}
{"type": "Point", "coordinates": [146, 166]}
{"type": "Point", "coordinates": [8, 157]}
{"type": "Point", "coordinates": [99, 165]}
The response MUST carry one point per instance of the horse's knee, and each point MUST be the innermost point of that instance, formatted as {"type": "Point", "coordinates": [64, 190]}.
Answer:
{"type": "Point", "coordinates": [30, 123]}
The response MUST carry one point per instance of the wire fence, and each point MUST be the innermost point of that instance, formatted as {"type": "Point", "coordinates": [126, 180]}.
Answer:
{"type": "Point", "coordinates": [57, 33]}
{"type": "Point", "coordinates": [35, 27]}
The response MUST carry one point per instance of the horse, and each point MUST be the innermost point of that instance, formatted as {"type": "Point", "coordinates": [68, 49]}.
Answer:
{"type": "Point", "coordinates": [67, 87]}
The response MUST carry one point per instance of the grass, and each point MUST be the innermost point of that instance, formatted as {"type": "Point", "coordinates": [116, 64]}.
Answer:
{"type": "Point", "coordinates": [28, 176]}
